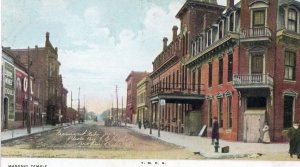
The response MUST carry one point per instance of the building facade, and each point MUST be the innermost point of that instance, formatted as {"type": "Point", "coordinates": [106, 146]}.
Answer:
{"type": "Point", "coordinates": [45, 67]}
{"type": "Point", "coordinates": [15, 94]}
{"type": "Point", "coordinates": [247, 61]}
{"type": "Point", "coordinates": [133, 78]}
{"type": "Point", "coordinates": [143, 101]}
{"type": "Point", "coordinates": [175, 101]}
{"type": "Point", "coordinates": [237, 63]}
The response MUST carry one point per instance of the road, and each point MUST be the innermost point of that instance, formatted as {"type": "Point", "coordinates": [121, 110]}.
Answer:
{"type": "Point", "coordinates": [93, 140]}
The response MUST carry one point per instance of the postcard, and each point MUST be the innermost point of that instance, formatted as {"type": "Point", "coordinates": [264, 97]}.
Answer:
{"type": "Point", "coordinates": [150, 83]}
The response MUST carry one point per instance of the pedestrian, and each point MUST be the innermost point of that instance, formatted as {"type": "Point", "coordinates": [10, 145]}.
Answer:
{"type": "Point", "coordinates": [297, 141]}
{"type": "Point", "coordinates": [145, 124]}
{"type": "Point", "coordinates": [266, 135]}
{"type": "Point", "coordinates": [140, 124]}
{"type": "Point", "coordinates": [215, 131]}
{"type": "Point", "coordinates": [291, 135]}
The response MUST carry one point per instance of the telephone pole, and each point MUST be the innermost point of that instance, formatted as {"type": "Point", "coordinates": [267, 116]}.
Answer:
{"type": "Point", "coordinates": [117, 103]}
{"type": "Point", "coordinates": [78, 105]}
{"type": "Point", "coordinates": [122, 117]}
{"type": "Point", "coordinates": [28, 122]}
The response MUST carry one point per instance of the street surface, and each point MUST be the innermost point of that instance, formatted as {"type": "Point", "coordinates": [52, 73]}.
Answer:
{"type": "Point", "coordinates": [93, 140]}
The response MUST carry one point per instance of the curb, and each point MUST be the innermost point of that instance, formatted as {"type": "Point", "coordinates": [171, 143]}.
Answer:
{"type": "Point", "coordinates": [31, 134]}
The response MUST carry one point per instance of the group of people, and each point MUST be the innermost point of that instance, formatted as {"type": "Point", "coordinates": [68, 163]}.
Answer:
{"type": "Point", "coordinates": [294, 140]}
{"type": "Point", "coordinates": [293, 135]}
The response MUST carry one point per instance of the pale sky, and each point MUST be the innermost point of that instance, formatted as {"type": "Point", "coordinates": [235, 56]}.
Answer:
{"type": "Point", "coordinates": [99, 41]}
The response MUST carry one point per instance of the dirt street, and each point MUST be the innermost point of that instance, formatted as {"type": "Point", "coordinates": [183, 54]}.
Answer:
{"type": "Point", "coordinates": [94, 141]}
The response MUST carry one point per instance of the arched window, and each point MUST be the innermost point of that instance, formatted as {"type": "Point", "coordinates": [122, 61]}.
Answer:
{"type": "Point", "coordinates": [292, 20]}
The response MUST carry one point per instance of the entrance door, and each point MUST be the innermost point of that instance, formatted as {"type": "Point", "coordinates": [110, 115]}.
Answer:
{"type": "Point", "coordinates": [254, 121]}
{"type": "Point", "coordinates": [5, 103]}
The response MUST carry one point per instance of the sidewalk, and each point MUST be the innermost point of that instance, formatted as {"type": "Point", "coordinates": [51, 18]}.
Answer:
{"type": "Point", "coordinates": [203, 144]}
{"type": "Point", "coordinates": [18, 133]}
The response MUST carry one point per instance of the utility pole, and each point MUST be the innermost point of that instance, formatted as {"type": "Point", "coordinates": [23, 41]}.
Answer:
{"type": "Point", "coordinates": [122, 118]}
{"type": "Point", "coordinates": [78, 104]}
{"type": "Point", "coordinates": [28, 95]}
{"type": "Point", "coordinates": [84, 109]}
{"type": "Point", "coordinates": [71, 99]}
{"type": "Point", "coordinates": [117, 103]}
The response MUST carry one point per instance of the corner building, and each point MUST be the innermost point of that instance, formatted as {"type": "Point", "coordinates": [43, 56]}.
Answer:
{"type": "Point", "coordinates": [45, 68]}
{"type": "Point", "coordinates": [238, 63]}
{"type": "Point", "coordinates": [248, 60]}
{"type": "Point", "coordinates": [175, 100]}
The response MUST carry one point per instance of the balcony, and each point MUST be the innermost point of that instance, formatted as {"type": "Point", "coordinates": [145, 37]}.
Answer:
{"type": "Point", "coordinates": [256, 36]}
{"type": "Point", "coordinates": [252, 81]}
{"type": "Point", "coordinates": [176, 92]}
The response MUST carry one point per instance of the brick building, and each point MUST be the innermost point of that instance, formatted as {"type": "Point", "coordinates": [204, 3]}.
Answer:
{"type": "Point", "coordinates": [133, 78]}
{"type": "Point", "coordinates": [45, 67]}
{"type": "Point", "coordinates": [14, 94]}
{"type": "Point", "coordinates": [181, 111]}
{"type": "Point", "coordinates": [237, 63]}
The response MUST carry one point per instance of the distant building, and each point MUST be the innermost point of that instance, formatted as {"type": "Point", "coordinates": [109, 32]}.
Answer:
{"type": "Point", "coordinates": [133, 78]}
{"type": "Point", "coordinates": [143, 101]}
{"type": "Point", "coordinates": [70, 115]}
{"type": "Point", "coordinates": [45, 67]}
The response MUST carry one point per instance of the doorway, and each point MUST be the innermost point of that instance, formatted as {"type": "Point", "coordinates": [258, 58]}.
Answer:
{"type": "Point", "coordinates": [254, 119]}
{"type": "Point", "coordinates": [5, 104]}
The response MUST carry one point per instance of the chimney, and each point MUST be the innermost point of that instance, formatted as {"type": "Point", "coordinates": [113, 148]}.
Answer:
{"type": "Point", "coordinates": [230, 3]}
{"type": "Point", "coordinates": [165, 41]}
{"type": "Point", "coordinates": [47, 36]}
{"type": "Point", "coordinates": [56, 49]}
{"type": "Point", "coordinates": [204, 21]}
{"type": "Point", "coordinates": [175, 28]}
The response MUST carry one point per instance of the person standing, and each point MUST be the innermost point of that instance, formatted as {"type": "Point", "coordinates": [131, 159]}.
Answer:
{"type": "Point", "coordinates": [215, 131]}
{"type": "Point", "coordinates": [297, 141]}
{"type": "Point", "coordinates": [291, 135]}
{"type": "Point", "coordinates": [266, 135]}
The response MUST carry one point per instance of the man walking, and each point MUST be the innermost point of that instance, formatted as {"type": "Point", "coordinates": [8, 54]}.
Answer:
{"type": "Point", "coordinates": [215, 131]}
{"type": "Point", "coordinates": [291, 135]}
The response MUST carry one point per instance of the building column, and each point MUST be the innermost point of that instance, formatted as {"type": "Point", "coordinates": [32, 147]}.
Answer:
{"type": "Point", "coordinates": [151, 117]}
{"type": "Point", "coordinates": [158, 105]}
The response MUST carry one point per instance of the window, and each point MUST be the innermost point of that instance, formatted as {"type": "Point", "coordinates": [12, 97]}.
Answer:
{"type": "Point", "coordinates": [229, 112]}
{"type": "Point", "coordinates": [209, 74]}
{"type": "Point", "coordinates": [209, 38]}
{"type": "Point", "coordinates": [230, 65]}
{"type": "Point", "coordinates": [257, 64]}
{"type": "Point", "coordinates": [221, 71]}
{"type": "Point", "coordinates": [210, 112]}
{"type": "Point", "coordinates": [199, 80]}
{"type": "Point", "coordinates": [231, 22]}
{"type": "Point", "coordinates": [288, 111]}
{"type": "Point", "coordinates": [290, 65]}
{"type": "Point", "coordinates": [193, 80]}
{"type": "Point", "coordinates": [220, 112]}
{"type": "Point", "coordinates": [259, 18]}
{"type": "Point", "coordinates": [173, 83]}
{"type": "Point", "coordinates": [221, 29]}
{"type": "Point", "coordinates": [292, 20]}
{"type": "Point", "coordinates": [177, 78]}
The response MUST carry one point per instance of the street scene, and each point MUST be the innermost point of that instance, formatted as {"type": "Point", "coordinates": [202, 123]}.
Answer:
{"type": "Point", "coordinates": [149, 79]}
{"type": "Point", "coordinates": [93, 140]}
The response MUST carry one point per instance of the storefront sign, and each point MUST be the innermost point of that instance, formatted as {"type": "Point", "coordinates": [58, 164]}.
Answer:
{"type": "Point", "coordinates": [9, 89]}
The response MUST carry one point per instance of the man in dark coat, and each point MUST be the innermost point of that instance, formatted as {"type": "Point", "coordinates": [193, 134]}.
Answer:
{"type": "Point", "coordinates": [297, 142]}
{"type": "Point", "coordinates": [215, 131]}
{"type": "Point", "coordinates": [291, 135]}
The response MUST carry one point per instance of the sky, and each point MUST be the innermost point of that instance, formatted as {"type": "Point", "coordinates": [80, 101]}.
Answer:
{"type": "Point", "coordinates": [99, 41]}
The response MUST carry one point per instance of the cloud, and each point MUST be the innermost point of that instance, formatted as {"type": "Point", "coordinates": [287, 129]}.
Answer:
{"type": "Point", "coordinates": [94, 57]}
